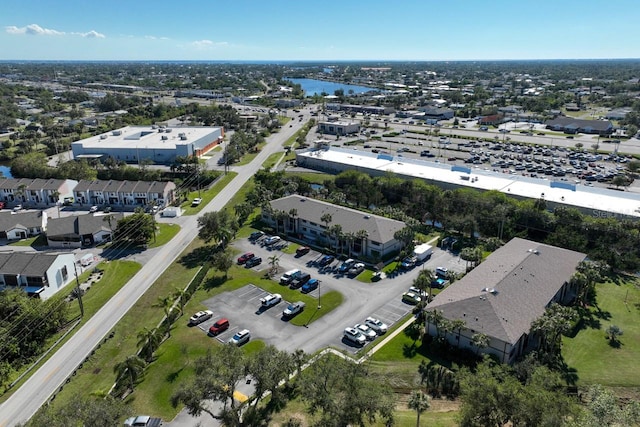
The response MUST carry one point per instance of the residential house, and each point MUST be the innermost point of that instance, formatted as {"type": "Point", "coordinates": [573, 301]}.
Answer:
{"type": "Point", "coordinates": [40, 275]}
{"type": "Point", "coordinates": [124, 194]}
{"type": "Point", "coordinates": [81, 230]}
{"type": "Point", "coordinates": [504, 294]}
{"type": "Point", "coordinates": [362, 234]}
{"type": "Point", "coordinates": [36, 192]}
{"type": "Point", "coordinates": [15, 226]}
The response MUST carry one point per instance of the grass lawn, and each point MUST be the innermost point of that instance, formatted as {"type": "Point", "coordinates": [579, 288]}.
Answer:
{"type": "Point", "coordinates": [272, 159]}
{"type": "Point", "coordinates": [589, 351]}
{"type": "Point", "coordinates": [37, 241]}
{"type": "Point", "coordinates": [248, 157]}
{"type": "Point", "coordinates": [206, 195]}
{"type": "Point", "coordinates": [164, 233]}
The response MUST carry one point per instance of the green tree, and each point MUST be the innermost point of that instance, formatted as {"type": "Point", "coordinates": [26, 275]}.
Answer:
{"type": "Point", "coordinates": [81, 410]}
{"type": "Point", "coordinates": [343, 394]}
{"type": "Point", "coordinates": [129, 371]}
{"type": "Point", "coordinates": [222, 261]}
{"type": "Point", "coordinates": [423, 282]}
{"type": "Point", "coordinates": [556, 321]}
{"type": "Point", "coordinates": [613, 334]}
{"type": "Point", "coordinates": [480, 341]}
{"type": "Point", "coordinates": [419, 402]}
{"type": "Point", "coordinates": [268, 367]}
{"type": "Point", "coordinates": [143, 225]}
{"type": "Point", "coordinates": [274, 264]}
{"type": "Point", "coordinates": [218, 226]}
{"type": "Point", "coordinates": [148, 342]}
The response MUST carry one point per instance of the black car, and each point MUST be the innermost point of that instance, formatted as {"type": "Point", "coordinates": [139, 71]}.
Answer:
{"type": "Point", "coordinates": [252, 262]}
{"type": "Point", "coordinates": [300, 280]}
{"type": "Point", "coordinates": [326, 260]}
{"type": "Point", "coordinates": [256, 235]}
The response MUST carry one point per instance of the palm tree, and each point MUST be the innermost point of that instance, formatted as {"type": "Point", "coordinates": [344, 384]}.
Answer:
{"type": "Point", "coordinates": [362, 236]}
{"type": "Point", "coordinates": [20, 192]}
{"type": "Point", "coordinates": [350, 237]}
{"type": "Point", "coordinates": [148, 342]}
{"type": "Point", "coordinates": [335, 231]}
{"type": "Point", "coordinates": [274, 263]}
{"type": "Point", "coordinates": [423, 282]}
{"type": "Point", "coordinates": [326, 218]}
{"type": "Point", "coordinates": [458, 325]}
{"type": "Point", "coordinates": [166, 303]}
{"type": "Point", "coordinates": [293, 213]}
{"type": "Point", "coordinates": [480, 341]}
{"type": "Point", "coordinates": [130, 370]}
{"type": "Point", "coordinates": [181, 296]}
{"type": "Point", "coordinates": [435, 318]}
{"type": "Point", "coordinates": [419, 402]}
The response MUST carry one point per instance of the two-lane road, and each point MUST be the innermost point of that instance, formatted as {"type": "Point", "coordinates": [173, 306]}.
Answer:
{"type": "Point", "coordinates": [51, 375]}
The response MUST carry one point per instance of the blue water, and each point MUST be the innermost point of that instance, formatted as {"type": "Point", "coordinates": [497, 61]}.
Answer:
{"type": "Point", "coordinates": [316, 87]}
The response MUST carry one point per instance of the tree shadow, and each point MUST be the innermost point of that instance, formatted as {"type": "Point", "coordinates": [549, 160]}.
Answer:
{"type": "Point", "coordinates": [409, 351]}
{"type": "Point", "coordinates": [198, 256]}
{"type": "Point", "coordinates": [173, 376]}
{"type": "Point", "coordinates": [111, 254]}
{"type": "Point", "coordinates": [615, 343]}
{"type": "Point", "coordinates": [214, 282]}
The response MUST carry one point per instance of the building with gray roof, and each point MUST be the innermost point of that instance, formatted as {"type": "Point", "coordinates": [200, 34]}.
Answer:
{"type": "Point", "coordinates": [81, 230]}
{"type": "Point", "coordinates": [124, 194]}
{"type": "Point", "coordinates": [36, 192]}
{"type": "Point", "coordinates": [159, 144]}
{"type": "Point", "coordinates": [503, 295]}
{"type": "Point", "coordinates": [40, 275]}
{"type": "Point", "coordinates": [307, 224]}
{"type": "Point", "coordinates": [14, 226]}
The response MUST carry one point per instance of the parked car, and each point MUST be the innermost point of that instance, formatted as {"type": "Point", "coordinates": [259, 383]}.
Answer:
{"type": "Point", "coordinates": [346, 265]}
{"type": "Point", "coordinates": [196, 201]}
{"type": "Point", "coordinates": [106, 209]}
{"type": "Point", "coordinates": [311, 285]}
{"type": "Point", "coordinates": [200, 317]}
{"type": "Point", "coordinates": [245, 257]}
{"type": "Point", "coordinates": [289, 276]}
{"type": "Point", "coordinates": [300, 280]}
{"type": "Point", "coordinates": [408, 262]}
{"type": "Point", "coordinates": [326, 260]}
{"type": "Point", "coordinates": [368, 333]}
{"type": "Point", "coordinates": [302, 250]}
{"type": "Point", "coordinates": [354, 336]}
{"type": "Point", "coordinates": [241, 337]}
{"type": "Point", "coordinates": [93, 209]}
{"type": "Point", "coordinates": [270, 300]}
{"type": "Point", "coordinates": [17, 208]}
{"type": "Point", "coordinates": [293, 309]}
{"type": "Point", "coordinates": [252, 262]}
{"type": "Point", "coordinates": [376, 324]}
{"type": "Point", "coordinates": [442, 272]}
{"type": "Point", "coordinates": [356, 269]}
{"type": "Point", "coordinates": [220, 326]}
{"type": "Point", "coordinates": [411, 298]}
{"type": "Point", "coordinates": [256, 235]}
{"type": "Point", "coordinates": [272, 240]}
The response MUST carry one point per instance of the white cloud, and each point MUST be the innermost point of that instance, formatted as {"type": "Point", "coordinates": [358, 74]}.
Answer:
{"type": "Point", "coordinates": [207, 44]}
{"type": "Point", "coordinates": [34, 30]}
{"type": "Point", "coordinates": [37, 30]}
{"type": "Point", "coordinates": [156, 38]}
{"type": "Point", "coordinates": [93, 35]}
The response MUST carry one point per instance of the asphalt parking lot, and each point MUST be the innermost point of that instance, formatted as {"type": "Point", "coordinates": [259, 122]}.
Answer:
{"type": "Point", "coordinates": [361, 300]}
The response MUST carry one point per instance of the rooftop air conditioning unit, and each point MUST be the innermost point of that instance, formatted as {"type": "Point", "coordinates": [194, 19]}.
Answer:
{"type": "Point", "coordinates": [116, 133]}
{"type": "Point", "coordinates": [104, 136]}
{"type": "Point", "coordinates": [164, 137]}
{"type": "Point", "coordinates": [160, 130]}
{"type": "Point", "coordinates": [183, 138]}
{"type": "Point", "coordinates": [168, 130]}
{"type": "Point", "coordinates": [181, 134]}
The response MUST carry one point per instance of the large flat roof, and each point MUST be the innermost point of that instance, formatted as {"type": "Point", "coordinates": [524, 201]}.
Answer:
{"type": "Point", "coordinates": [599, 202]}
{"type": "Point", "coordinates": [166, 138]}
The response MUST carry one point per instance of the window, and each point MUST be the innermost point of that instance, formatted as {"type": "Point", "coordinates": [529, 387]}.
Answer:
{"type": "Point", "coordinates": [64, 272]}
{"type": "Point", "coordinates": [313, 223]}
{"type": "Point", "coordinates": [372, 243]}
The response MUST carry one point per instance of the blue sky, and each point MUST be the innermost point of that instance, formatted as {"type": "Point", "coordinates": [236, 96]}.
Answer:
{"type": "Point", "coordinates": [420, 30]}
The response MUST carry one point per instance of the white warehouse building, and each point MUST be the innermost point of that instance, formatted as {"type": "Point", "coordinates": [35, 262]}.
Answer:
{"type": "Point", "coordinates": [159, 144]}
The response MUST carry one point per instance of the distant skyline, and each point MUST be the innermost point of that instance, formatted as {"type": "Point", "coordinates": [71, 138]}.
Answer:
{"type": "Point", "coordinates": [280, 30]}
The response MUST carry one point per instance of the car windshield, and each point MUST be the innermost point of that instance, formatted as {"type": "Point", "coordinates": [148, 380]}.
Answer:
{"type": "Point", "coordinates": [291, 307]}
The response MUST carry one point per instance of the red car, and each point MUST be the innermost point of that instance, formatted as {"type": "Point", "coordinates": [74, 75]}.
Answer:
{"type": "Point", "coordinates": [220, 326]}
{"type": "Point", "coordinates": [245, 257]}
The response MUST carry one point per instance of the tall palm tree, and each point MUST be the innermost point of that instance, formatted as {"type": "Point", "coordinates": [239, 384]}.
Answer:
{"type": "Point", "coordinates": [458, 325]}
{"type": "Point", "coordinates": [362, 236]}
{"type": "Point", "coordinates": [274, 263]}
{"type": "Point", "coordinates": [148, 342]}
{"type": "Point", "coordinates": [293, 213]}
{"type": "Point", "coordinates": [130, 370]}
{"type": "Point", "coordinates": [180, 295]}
{"type": "Point", "coordinates": [326, 218]}
{"type": "Point", "coordinates": [423, 282]}
{"type": "Point", "coordinates": [480, 341]}
{"type": "Point", "coordinates": [419, 402]}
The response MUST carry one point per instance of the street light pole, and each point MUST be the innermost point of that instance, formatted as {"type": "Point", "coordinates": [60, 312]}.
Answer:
{"type": "Point", "coordinates": [319, 306]}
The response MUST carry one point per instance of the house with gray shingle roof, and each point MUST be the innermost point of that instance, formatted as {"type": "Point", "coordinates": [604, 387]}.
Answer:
{"type": "Point", "coordinates": [81, 230]}
{"type": "Point", "coordinates": [22, 225]}
{"type": "Point", "coordinates": [503, 295]}
{"type": "Point", "coordinates": [307, 225]}
{"type": "Point", "coordinates": [124, 194]}
{"type": "Point", "coordinates": [40, 275]}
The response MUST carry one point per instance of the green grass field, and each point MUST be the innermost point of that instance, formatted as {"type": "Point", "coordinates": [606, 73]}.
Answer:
{"type": "Point", "coordinates": [164, 233]}
{"type": "Point", "coordinates": [589, 351]}
{"type": "Point", "coordinates": [206, 195]}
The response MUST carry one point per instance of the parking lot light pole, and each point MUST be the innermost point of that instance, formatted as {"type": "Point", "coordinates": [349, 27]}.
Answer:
{"type": "Point", "coordinates": [319, 306]}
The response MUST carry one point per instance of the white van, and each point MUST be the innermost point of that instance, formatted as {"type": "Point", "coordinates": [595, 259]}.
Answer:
{"type": "Point", "coordinates": [442, 272]}
{"type": "Point", "coordinates": [289, 276]}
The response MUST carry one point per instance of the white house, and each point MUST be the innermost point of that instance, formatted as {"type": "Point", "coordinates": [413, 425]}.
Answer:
{"type": "Point", "coordinates": [40, 275]}
{"type": "Point", "coordinates": [15, 226]}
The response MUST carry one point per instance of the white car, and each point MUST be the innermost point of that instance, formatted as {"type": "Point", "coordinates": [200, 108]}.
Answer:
{"type": "Point", "coordinates": [196, 201]}
{"type": "Point", "coordinates": [368, 333]}
{"type": "Point", "coordinates": [356, 269]}
{"type": "Point", "coordinates": [354, 336]}
{"type": "Point", "coordinates": [422, 294]}
{"type": "Point", "coordinates": [376, 324]}
{"type": "Point", "coordinates": [270, 300]}
{"type": "Point", "coordinates": [272, 240]}
{"type": "Point", "coordinates": [93, 209]}
{"type": "Point", "coordinates": [241, 337]}
{"type": "Point", "coordinates": [200, 317]}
